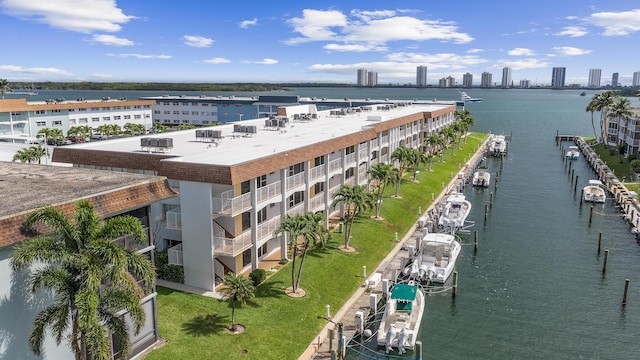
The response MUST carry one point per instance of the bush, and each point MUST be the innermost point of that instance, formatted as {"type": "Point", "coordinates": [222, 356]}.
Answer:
{"type": "Point", "coordinates": [257, 276]}
{"type": "Point", "coordinates": [166, 271]}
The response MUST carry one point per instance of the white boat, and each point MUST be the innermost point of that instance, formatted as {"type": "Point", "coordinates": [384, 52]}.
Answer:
{"type": "Point", "coordinates": [497, 145]}
{"type": "Point", "coordinates": [594, 192]}
{"type": "Point", "coordinates": [466, 98]}
{"type": "Point", "coordinates": [435, 260]}
{"type": "Point", "coordinates": [573, 153]}
{"type": "Point", "coordinates": [401, 319]}
{"type": "Point", "coordinates": [481, 178]}
{"type": "Point", "coordinates": [454, 212]}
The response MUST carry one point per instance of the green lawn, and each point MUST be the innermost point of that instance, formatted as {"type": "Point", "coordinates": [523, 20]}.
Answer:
{"type": "Point", "coordinates": [277, 326]}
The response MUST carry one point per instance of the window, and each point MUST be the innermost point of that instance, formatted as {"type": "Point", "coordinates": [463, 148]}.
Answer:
{"type": "Point", "coordinates": [41, 123]}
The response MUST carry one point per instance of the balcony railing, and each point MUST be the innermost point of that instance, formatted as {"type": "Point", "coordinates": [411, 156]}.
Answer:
{"type": "Point", "coordinates": [232, 246]}
{"type": "Point", "coordinates": [335, 165]}
{"type": "Point", "coordinates": [297, 209]}
{"type": "Point", "coordinates": [318, 172]}
{"type": "Point", "coordinates": [266, 229]}
{"type": "Point", "coordinates": [268, 192]}
{"type": "Point", "coordinates": [175, 255]}
{"type": "Point", "coordinates": [295, 180]}
{"type": "Point", "coordinates": [174, 219]}
{"type": "Point", "coordinates": [232, 206]}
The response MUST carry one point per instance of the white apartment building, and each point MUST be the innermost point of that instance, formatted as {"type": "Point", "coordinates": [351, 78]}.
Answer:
{"type": "Point", "coordinates": [238, 181]}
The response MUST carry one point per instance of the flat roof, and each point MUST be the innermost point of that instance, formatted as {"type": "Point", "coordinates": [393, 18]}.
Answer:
{"type": "Point", "coordinates": [235, 149]}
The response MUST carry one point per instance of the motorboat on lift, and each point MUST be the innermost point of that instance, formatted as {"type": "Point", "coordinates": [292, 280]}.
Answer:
{"type": "Point", "coordinates": [594, 192]}
{"type": "Point", "coordinates": [454, 212]}
{"type": "Point", "coordinates": [481, 178]}
{"type": "Point", "coordinates": [401, 319]}
{"type": "Point", "coordinates": [573, 153]}
{"type": "Point", "coordinates": [436, 258]}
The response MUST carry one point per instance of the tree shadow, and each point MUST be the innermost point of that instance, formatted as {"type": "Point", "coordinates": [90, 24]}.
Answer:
{"type": "Point", "coordinates": [204, 325]}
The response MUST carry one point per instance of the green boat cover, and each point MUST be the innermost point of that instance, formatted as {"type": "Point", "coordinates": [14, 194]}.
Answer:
{"type": "Point", "coordinates": [404, 295]}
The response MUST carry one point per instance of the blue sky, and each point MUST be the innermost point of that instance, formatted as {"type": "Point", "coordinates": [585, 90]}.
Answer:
{"type": "Point", "coordinates": [316, 41]}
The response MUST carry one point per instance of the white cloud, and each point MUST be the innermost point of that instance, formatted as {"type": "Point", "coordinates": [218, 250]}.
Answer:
{"type": "Point", "coordinates": [33, 70]}
{"type": "Point", "coordinates": [111, 40]}
{"type": "Point", "coordinates": [197, 41]}
{"type": "Point", "coordinates": [355, 47]}
{"type": "Point", "coordinates": [570, 51]}
{"type": "Point", "coordinates": [85, 16]}
{"type": "Point", "coordinates": [217, 60]}
{"type": "Point", "coordinates": [616, 23]}
{"type": "Point", "coordinates": [371, 29]}
{"type": "Point", "coordinates": [141, 56]}
{"type": "Point", "coordinates": [246, 23]}
{"type": "Point", "coordinates": [572, 31]}
{"type": "Point", "coordinates": [521, 52]}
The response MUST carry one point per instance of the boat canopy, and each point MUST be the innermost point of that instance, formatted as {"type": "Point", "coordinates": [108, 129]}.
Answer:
{"type": "Point", "coordinates": [404, 295]}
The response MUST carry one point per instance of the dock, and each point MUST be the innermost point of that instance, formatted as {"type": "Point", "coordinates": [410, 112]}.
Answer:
{"type": "Point", "coordinates": [371, 292]}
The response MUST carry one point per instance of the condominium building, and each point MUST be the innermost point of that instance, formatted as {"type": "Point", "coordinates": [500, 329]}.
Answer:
{"type": "Point", "coordinates": [594, 78]}
{"type": "Point", "coordinates": [238, 181]}
{"type": "Point", "coordinates": [636, 79]}
{"type": "Point", "coordinates": [23, 189]}
{"type": "Point", "coordinates": [558, 77]}
{"type": "Point", "coordinates": [362, 79]}
{"type": "Point", "coordinates": [614, 80]}
{"type": "Point", "coordinates": [467, 80]}
{"type": "Point", "coordinates": [421, 76]}
{"type": "Point", "coordinates": [20, 118]}
{"type": "Point", "coordinates": [506, 77]}
{"type": "Point", "coordinates": [485, 80]}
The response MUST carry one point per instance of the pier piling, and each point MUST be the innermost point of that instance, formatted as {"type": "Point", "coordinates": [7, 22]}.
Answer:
{"type": "Point", "coordinates": [626, 289]}
{"type": "Point", "coordinates": [604, 264]}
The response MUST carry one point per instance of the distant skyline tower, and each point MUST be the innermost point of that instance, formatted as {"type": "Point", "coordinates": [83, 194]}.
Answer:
{"type": "Point", "coordinates": [594, 78]}
{"type": "Point", "coordinates": [557, 77]}
{"type": "Point", "coordinates": [614, 80]}
{"type": "Point", "coordinates": [636, 79]}
{"type": "Point", "coordinates": [372, 78]}
{"type": "Point", "coordinates": [362, 77]}
{"type": "Point", "coordinates": [506, 77]}
{"type": "Point", "coordinates": [467, 80]}
{"type": "Point", "coordinates": [421, 76]}
{"type": "Point", "coordinates": [485, 80]}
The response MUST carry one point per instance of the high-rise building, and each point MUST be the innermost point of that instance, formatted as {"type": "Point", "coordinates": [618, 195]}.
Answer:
{"type": "Point", "coordinates": [372, 78]}
{"type": "Point", "coordinates": [362, 77]}
{"type": "Point", "coordinates": [485, 80]}
{"type": "Point", "coordinates": [467, 80]}
{"type": "Point", "coordinates": [557, 77]}
{"type": "Point", "coordinates": [614, 80]}
{"type": "Point", "coordinates": [594, 78]}
{"type": "Point", "coordinates": [506, 77]}
{"type": "Point", "coordinates": [524, 83]}
{"type": "Point", "coordinates": [636, 79]}
{"type": "Point", "coordinates": [421, 76]}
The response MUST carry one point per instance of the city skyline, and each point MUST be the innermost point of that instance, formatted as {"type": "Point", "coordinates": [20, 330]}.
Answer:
{"type": "Point", "coordinates": [321, 42]}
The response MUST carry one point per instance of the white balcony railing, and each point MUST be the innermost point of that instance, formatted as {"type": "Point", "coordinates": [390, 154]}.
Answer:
{"type": "Point", "coordinates": [174, 219]}
{"type": "Point", "coordinates": [232, 206]}
{"type": "Point", "coordinates": [232, 246]}
{"type": "Point", "coordinates": [175, 255]}
{"type": "Point", "coordinates": [318, 172]}
{"type": "Point", "coordinates": [295, 180]}
{"type": "Point", "coordinates": [266, 229]}
{"type": "Point", "coordinates": [268, 192]}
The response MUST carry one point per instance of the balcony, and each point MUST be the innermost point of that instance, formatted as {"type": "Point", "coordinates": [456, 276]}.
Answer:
{"type": "Point", "coordinates": [268, 192]}
{"type": "Point", "coordinates": [174, 219]}
{"type": "Point", "coordinates": [266, 228]}
{"type": "Point", "coordinates": [175, 255]}
{"type": "Point", "coordinates": [231, 206]}
{"type": "Point", "coordinates": [295, 181]}
{"type": "Point", "coordinates": [232, 246]}
{"type": "Point", "coordinates": [318, 172]}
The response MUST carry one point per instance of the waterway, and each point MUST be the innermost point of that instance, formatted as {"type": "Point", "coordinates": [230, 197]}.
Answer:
{"type": "Point", "coordinates": [535, 289]}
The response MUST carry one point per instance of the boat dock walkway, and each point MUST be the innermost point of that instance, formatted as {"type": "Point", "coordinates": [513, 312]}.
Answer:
{"type": "Point", "coordinates": [327, 340]}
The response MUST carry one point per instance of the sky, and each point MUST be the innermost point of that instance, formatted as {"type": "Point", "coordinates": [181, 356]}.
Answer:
{"type": "Point", "coordinates": [316, 41]}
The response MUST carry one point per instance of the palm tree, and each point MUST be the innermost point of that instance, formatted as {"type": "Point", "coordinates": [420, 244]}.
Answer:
{"type": "Point", "coordinates": [308, 227]}
{"type": "Point", "coordinates": [240, 289]}
{"type": "Point", "coordinates": [355, 199]}
{"type": "Point", "coordinates": [380, 172]}
{"type": "Point", "coordinates": [621, 110]}
{"type": "Point", "coordinates": [75, 261]}
{"type": "Point", "coordinates": [4, 86]}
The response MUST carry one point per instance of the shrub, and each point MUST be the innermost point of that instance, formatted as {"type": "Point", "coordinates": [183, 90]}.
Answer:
{"type": "Point", "coordinates": [166, 271]}
{"type": "Point", "coordinates": [257, 276]}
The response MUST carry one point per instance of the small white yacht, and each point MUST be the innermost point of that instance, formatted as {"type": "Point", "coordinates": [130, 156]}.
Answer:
{"type": "Point", "coordinates": [573, 153]}
{"type": "Point", "coordinates": [454, 212]}
{"type": "Point", "coordinates": [435, 260]}
{"type": "Point", "coordinates": [401, 319]}
{"type": "Point", "coordinates": [594, 192]}
{"type": "Point", "coordinates": [481, 178]}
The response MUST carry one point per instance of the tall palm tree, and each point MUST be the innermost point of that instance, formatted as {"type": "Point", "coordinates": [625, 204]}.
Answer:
{"type": "Point", "coordinates": [355, 199]}
{"type": "Point", "coordinates": [240, 289]}
{"type": "Point", "coordinates": [76, 261]}
{"type": "Point", "coordinates": [381, 173]}
{"type": "Point", "coordinates": [4, 86]}
{"type": "Point", "coordinates": [621, 110]}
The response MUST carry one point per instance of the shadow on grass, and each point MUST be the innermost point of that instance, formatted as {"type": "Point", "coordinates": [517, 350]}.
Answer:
{"type": "Point", "coordinates": [204, 325]}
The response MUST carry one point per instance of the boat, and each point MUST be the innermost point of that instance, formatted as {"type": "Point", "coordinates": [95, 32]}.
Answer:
{"type": "Point", "coordinates": [466, 98]}
{"type": "Point", "coordinates": [454, 212]}
{"type": "Point", "coordinates": [497, 145]}
{"type": "Point", "coordinates": [573, 153]}
{"type": "Point", "coordinates": [401, 319]}
{"type": "Point", "coordinates": [481, 178]}
{"type": "Point", "coordinates": [436, 259]}
{"type": "Point", "coordinates": [594, 192]}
